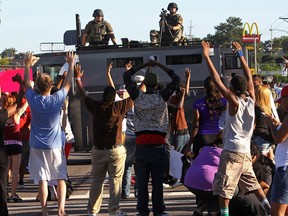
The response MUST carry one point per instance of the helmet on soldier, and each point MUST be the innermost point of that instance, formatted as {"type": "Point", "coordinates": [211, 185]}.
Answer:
{"type": "Point", "coordinates": [172, 5]}
{"type": "Point", "coordinates": [98, 12]}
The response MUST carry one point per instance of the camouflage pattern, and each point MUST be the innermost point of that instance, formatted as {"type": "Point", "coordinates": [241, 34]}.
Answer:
{"type": "Point", "coordinates": [167, 37]}
{"type": "Point", "coordinates": [98, 33]}
{"type": "Point", "coordinates": [176, 34]}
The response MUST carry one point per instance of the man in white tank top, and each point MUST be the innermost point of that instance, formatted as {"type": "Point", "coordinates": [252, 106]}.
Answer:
{"type": "Point", "coordinates": [235, 168]}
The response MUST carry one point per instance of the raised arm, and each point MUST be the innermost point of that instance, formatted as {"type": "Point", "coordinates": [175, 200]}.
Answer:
{"type": "Point", "coordinates": [70, 57]}
{"type": "Point", "coordinates": [29, 61]}
{"type": "Point", "coordinates": [213, 72]}
{"type": "Point", "coordinates": [78, 73]}
{"type": "Point", "coordinates": [109, 77]}
{"type": "Point", "coordinates": [61, 80]}
{"type": "Point", "coordinates": [246, 70]}
{"type": "Point", "coordinates": [130, 86]}
{"type": "Point", "coordinates": [188, 76]}
{"type": "Point", "coordinates": [173, 85]}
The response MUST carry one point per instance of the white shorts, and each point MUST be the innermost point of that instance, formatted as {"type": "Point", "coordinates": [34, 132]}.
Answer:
{"type": "Point", "coordinates": [47, 164]}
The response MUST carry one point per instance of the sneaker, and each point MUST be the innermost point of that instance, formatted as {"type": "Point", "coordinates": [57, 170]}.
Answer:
{"type": "Point", "coordinates": [162, 214]}
{"type": "Point", "coordinates": [118, 213]}
{"type": "Point", "coordinates": [53, 193]}
{"type": "Point", "coordinates": [21, 184]}
{"type": "Point", "coordinates": [15, 198]}
{"type": "Point", "coordinates": [91, 214]}
{"type": "Point", "coordinates": [176, 184]}
{"type": "Point", "coordinates": [124, 197]}
{"type": "Point", "coordinates": [166, 185]}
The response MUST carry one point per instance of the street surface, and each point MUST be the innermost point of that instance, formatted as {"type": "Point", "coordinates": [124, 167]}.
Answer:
{"type": "Point", "coordinates": [179, 201]}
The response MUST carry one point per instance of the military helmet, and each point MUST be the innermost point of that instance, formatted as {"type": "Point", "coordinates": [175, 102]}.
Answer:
{"type": "Point", "coordinates": [98, 12]}
{"type": "Point", "coordinates": [172, 5]}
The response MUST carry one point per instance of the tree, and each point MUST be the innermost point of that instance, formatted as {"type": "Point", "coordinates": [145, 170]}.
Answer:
{"type": "Point", "coordinates": [226, 32]}
{"type": "Point", "coordinates": [4, 61]}
{"type": "Point", "coordinates": [8, 53]}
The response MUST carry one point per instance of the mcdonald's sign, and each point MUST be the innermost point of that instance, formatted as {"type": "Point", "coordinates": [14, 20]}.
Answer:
{"type": "Point", "coordinates": [249, 36]}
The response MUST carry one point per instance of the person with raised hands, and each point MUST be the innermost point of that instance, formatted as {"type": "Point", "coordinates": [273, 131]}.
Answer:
{"type": "Point", "coordinates": [47, 158]}
{"type": "Point", "coordinates": [235, 167]}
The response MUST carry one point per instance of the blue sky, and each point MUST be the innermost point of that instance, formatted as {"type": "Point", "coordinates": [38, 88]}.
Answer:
{"type": "Point", "coordinates": [25, 24]}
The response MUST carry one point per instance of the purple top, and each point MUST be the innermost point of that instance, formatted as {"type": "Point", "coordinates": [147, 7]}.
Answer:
{"type": "Point", "coordinates": [200, 174]}
{"type": "Point", "coordinates": [206, 125]}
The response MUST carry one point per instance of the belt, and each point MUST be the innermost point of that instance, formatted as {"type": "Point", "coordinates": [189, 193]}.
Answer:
{"type": "Point", "coordinates": [108, 147]}
{"type": "Point", "coordinates": [150, 146]}
{"type": "Point", "coordinates": [181, 132]}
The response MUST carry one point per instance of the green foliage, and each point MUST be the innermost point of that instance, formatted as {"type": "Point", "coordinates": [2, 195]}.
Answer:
{"type": "Point", "coordinates": [281, 78]}
{"type": "Point", "coordinates": [8, 53]}
{"type": "Point", "coordinates": [4, 61]}
{"type": "Point", "coordinates": [272, 66]}
{"type": "Point", "coordinates": [226, 32]}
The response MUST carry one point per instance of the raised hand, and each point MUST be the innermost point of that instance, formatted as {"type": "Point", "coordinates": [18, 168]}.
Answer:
{"type": "Point", "coordinates": [206, 47]}
{"type": "Point", "coordinates": [29, 59]}
{"type": "Point", "coordinates": [187, 73]}
{"type": "Point", "coordinates": [78, 73]}
{"type": "Point", "coordinates": [70, 57]}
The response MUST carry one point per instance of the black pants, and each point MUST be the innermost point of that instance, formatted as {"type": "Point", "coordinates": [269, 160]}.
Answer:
{"type": "Point", "coordinates": [3, 181]}
{"type": "Point", "coordinates": [247, 205]}
{"type": "Point", "coordinates": [202, 140]}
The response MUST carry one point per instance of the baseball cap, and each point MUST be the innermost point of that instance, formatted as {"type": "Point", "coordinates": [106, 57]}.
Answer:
{"type": "Point", "coordinates": [284, 93]}
{"type": "Point", "coordinates": [151, 79]}
{"type": "Point", "coordinates": [138, 79]}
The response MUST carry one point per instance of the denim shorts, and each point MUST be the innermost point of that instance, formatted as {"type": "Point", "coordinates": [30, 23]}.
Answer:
{"type": "Point", "coordinates": [280, 186]}
{"type": "Point", "coordinates": [263, 145]}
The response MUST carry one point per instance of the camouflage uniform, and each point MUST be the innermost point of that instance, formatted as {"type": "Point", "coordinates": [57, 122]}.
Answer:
{"type": "Point", "coordinates": [98, 32]}
{"type": "Point", "coordinates": [167, 38]}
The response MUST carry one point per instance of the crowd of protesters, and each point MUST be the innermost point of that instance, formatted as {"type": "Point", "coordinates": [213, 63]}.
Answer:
{"type": "Point", "coordinates": [235, 130]}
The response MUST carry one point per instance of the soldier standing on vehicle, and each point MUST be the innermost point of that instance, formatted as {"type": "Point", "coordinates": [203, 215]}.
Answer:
{"type": "Point", "coordinates": [171, 26]}
{"type": "Point", "coordinates": [98, 31]}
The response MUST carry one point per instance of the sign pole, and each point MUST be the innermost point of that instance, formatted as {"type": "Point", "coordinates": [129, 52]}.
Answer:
{"type": "Point", "coordinates": [255, 56]}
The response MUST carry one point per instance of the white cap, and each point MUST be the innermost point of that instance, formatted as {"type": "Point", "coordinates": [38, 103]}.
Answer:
{"type": "Point", "coordinates": [138, 79]}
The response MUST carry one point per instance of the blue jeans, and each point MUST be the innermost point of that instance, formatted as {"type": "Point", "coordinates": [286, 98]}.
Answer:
{"type": "Point", "coordinates": [130, 145]}
{"type": "Point", "coordinates": [280, 186]}
{"type": "Point", "coordinates": [263, 145]}
{"type": "Point", "coordinates": [150, 159]}
{"type": "Point", "coordinates": [179, 141]}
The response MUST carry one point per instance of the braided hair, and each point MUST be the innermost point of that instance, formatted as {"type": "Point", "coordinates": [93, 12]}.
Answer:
{"type": "Point", "coordinates": [213, 98]}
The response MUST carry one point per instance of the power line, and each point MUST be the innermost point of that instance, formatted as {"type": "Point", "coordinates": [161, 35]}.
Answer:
{"type": "Point", "coordinates": [284, 18]}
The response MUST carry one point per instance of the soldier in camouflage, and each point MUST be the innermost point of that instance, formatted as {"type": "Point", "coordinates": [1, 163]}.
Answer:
{"type": "Point", "coordinates": [98, 31]}
{"type": "Point", "coordinates": [171, 28]}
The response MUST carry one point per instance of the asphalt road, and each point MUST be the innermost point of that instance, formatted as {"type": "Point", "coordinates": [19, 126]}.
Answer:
{"type": "Point", "coordinates": [179, 201]}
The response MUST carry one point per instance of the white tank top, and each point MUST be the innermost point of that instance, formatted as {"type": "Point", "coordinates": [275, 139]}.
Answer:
{"type": "Point", "coordinates": [281, 154]}
{"type": "Point", "coordinates": [238, 129]}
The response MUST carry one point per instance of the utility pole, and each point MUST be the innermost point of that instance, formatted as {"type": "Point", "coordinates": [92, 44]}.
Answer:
{"type": "Point", "coordinates": [271, 40]}
{"type": "Point", "coordinates": [190, 27]}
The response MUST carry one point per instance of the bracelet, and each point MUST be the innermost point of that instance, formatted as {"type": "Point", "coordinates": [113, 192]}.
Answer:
{"type": "Point", "coordinates": [78, 78]}
{"type": "Point", "coordinates": [239, 53]}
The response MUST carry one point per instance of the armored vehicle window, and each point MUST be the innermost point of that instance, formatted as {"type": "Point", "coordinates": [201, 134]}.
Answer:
{"type": "Point", "coordinates": [52, 70]}
{"type": "Point", "coordinates": [232, 62]}
{"type": "Point", "coordinates": [184, 59]}
{"type": "Point", "coordinates": [121, 62]}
